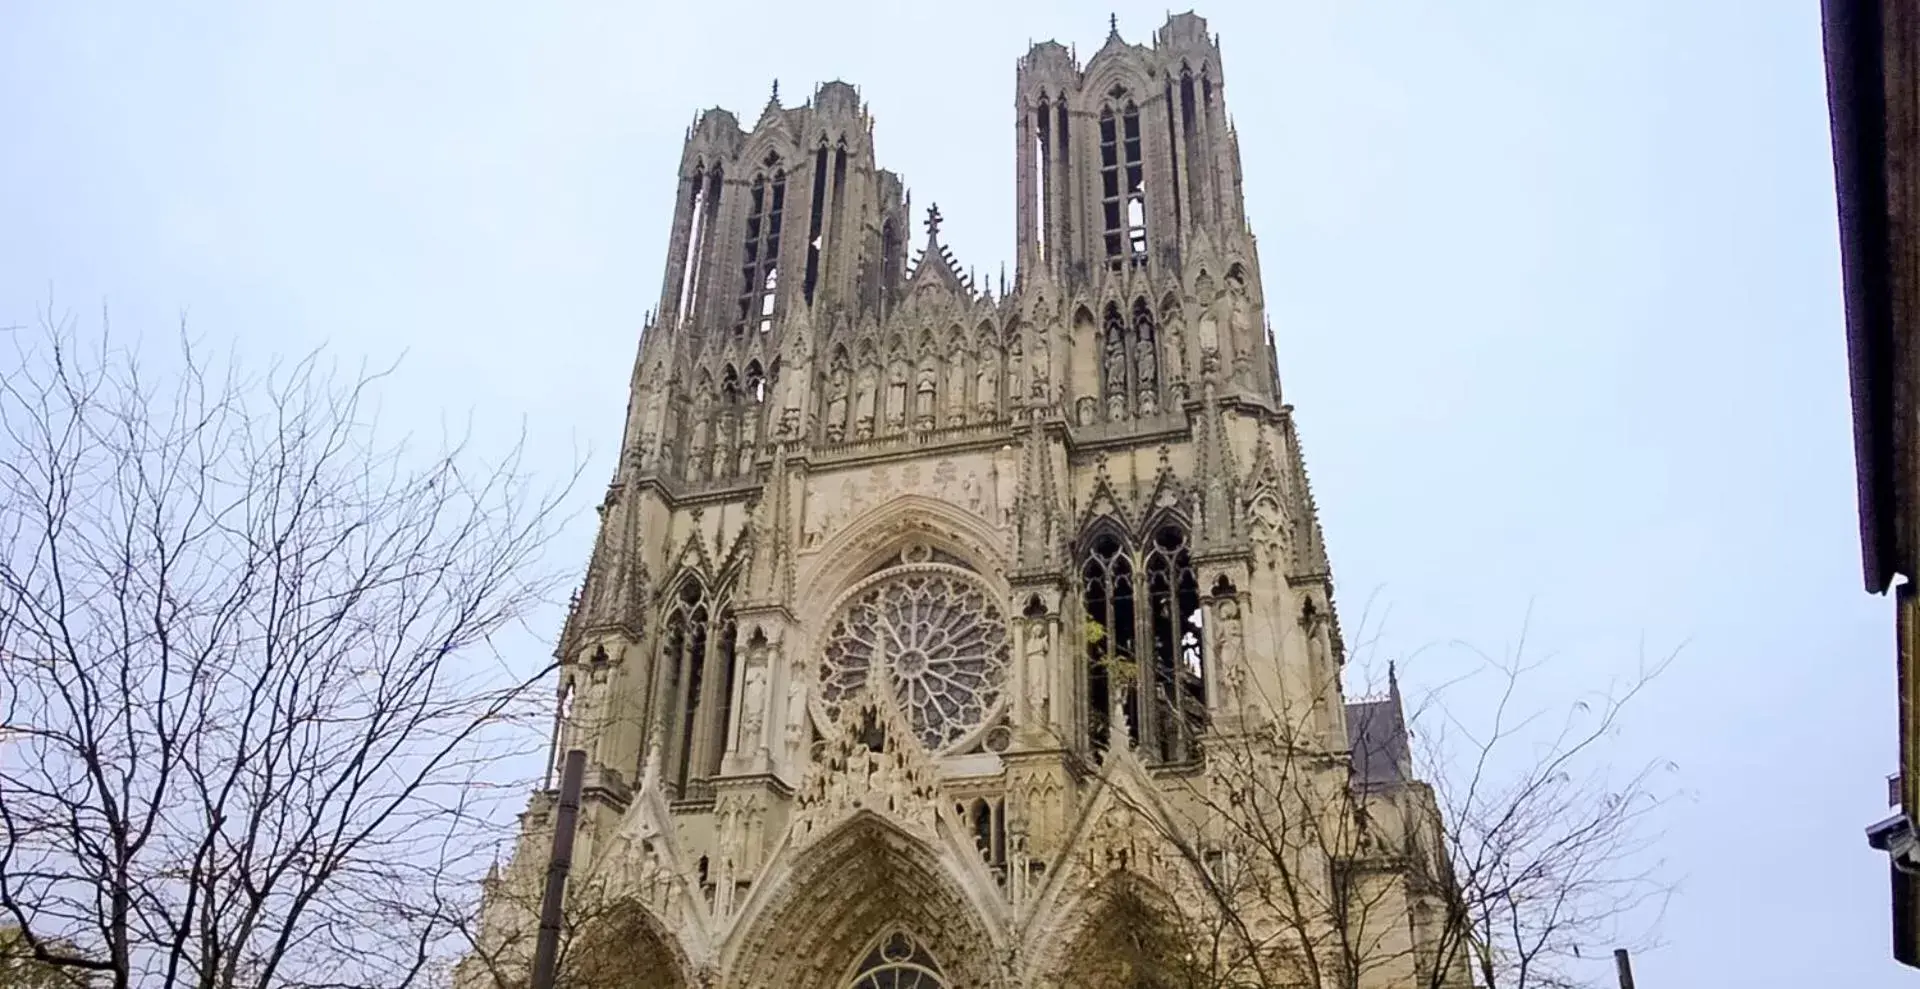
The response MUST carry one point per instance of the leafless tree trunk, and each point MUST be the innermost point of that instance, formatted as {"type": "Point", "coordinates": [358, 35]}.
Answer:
{"type": "Point", "coordinates": [1527, 852]}
{"type": "Point", "coordinates": [245, 668]}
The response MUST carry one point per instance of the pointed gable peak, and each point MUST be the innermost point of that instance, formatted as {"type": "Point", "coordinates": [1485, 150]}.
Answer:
{"type": "Point", "coordinates": [936, 265]}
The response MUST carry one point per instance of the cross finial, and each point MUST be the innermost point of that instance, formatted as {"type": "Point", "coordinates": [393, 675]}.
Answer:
{"type": "Point", "coordinates": [933, 220]}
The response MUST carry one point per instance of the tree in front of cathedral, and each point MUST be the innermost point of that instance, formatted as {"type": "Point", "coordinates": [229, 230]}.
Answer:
{"type": "Point", "coordinates": [245, 677]}
{"type": "Point", "coordinates": [1528, 856]}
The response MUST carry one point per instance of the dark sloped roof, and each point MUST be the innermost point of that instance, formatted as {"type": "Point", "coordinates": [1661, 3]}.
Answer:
{"type": "Point", "coordinates": [1377, 734]}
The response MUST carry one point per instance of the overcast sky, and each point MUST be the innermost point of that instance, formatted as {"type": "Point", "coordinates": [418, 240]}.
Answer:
{"type": "Point", "coordinates": [1555, 284]}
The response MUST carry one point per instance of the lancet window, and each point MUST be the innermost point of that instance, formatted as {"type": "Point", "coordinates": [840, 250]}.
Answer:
{"type": "Point", "coordinates": [1145, 662]}
{"type": "Point", "coordinates": [1043, 178]}
{"type": "Point", "coordinates": [816, 222]}
{"type": "Point", "coordinates": [760, 254]}
{"type": "Point", "coordinates": [695, 686]}
{"type": "Point", "coordinates": [1123, 194]}
{"type": "Point", "coordinates": [702, 207]}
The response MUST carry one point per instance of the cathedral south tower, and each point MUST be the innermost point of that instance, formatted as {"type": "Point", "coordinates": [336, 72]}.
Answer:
{"type": "Point", "coordinates": [925, 616]}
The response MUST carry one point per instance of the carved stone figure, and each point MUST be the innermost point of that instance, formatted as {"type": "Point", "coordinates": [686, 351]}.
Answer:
{"type": "Point", "coordinates": [1116, 364]}
{"type": "Point", "coordinates": [923, 397]}
{"type": "Point", "coordinates": [753, 703]}
{"type": "Point", "coordinates": [865, 392]}
{"type": "Point", "coordinates": [987, 397]}
{"type": "Point", "coordinates": [956, 397]}
{"type": "Point", "coordinates": [897, 395]}
{"type": "Point", "coordinates": [837, 391]}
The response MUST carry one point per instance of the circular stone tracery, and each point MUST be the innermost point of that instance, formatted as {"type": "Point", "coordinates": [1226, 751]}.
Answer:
{"type": "Point", "coordinates": [943, 644]}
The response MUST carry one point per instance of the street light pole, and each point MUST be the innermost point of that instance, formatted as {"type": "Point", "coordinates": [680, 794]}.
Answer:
{"type": "Point", "coordinates": [546, 950]}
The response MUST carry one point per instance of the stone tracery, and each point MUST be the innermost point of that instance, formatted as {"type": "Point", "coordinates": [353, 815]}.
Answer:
{"type": "Point", "coordinates": [936, 641]}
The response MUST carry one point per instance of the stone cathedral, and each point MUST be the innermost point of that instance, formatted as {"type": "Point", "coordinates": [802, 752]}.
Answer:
{"type": "Point", "coordinates": [924, 613]}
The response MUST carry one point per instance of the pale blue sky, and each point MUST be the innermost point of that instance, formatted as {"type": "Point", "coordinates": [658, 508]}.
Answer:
{"type": "Point", "coordinates": [1555, 286]}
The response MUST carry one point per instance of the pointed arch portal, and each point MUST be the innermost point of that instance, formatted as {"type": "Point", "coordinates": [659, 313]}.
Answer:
{"type": "Point", "coordinates": [867, 907]}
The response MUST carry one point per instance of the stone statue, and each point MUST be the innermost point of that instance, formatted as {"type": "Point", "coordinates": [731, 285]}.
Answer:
{"type": "Point", "coordinates": [897, 395]}
{"type": "Point", "coordinates": [987, 398]}
{"type": "Point", "coordinates": [866, 393]}
{"type": "Point", "coordinates": [923, 396]}
{"type": "Point", "coordinates": [796, 709]}
{"type": "Point", "coordinates": [956, 403]}
{"type": "Point", "coordinates": [1227, 642]}
{"type": "Point", "coordinates": [753, 702]}
{"type": "Point", "coordinates": [1176, 350]}
{"type": "Point", "coordinates": [1116, 364]}
{"type": "Point", "coordinates": [837, 390]}
{"type": "Point", "coordinates": [1036, 668]}
{"type": "Point", "coordinates": [1144, 363]}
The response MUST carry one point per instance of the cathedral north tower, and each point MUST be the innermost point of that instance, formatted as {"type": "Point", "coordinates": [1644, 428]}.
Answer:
{"type": "Point", "coordinates": [915, 600]}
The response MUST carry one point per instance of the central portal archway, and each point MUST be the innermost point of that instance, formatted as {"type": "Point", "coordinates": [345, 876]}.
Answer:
{"type": "Point", "coordinates": [867, 907]}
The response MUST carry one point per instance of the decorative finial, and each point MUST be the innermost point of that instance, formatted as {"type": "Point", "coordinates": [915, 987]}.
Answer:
{"type": "Point", "coordinates": [933, 221]}
{"type": "Point", "coordinates": [776, 91]}
{"type": "Point", "coordinates": [1113, 24]}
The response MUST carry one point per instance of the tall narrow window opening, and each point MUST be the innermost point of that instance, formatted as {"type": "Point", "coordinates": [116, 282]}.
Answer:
{"type": "Point", "coordinates": [1136, 186]}
{"type": "Point", "coordinates": [1173, 157]}
{"type": "Point", "coordinates": [1113, 671]}
{"type": "Point", "coordinates": [1110, 203]}
{"type": "Point", "coordinates": [719, 718]}
{"type": "Point", "coordinates": [1190, 139]}
{"type": "Point", "coordinates": [1178, 675]}
{"type": "Point", "coordinates": [760, 260]}
{"type": "Point", "coordinates": [683, 654]}
{"type": "Point", "coordinates": [814, 223]}
{"type": "Point", "coordinates": [696, 237]}
{"type": "Point", "coordinates": [1043, 184]}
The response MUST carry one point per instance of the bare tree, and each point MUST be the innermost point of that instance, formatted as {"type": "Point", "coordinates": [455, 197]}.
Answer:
{"type": "Point", "coordinates": [1528, 852]}
{"type": "Point", "coordinates": [246, 675]}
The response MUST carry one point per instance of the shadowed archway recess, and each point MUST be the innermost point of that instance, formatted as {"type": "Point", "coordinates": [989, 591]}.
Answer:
{"type": "Point", "coordinates": [844, 894]}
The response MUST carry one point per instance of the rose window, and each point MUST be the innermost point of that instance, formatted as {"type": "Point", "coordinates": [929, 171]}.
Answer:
{"type": "Point", "coordinates": [937, 641]}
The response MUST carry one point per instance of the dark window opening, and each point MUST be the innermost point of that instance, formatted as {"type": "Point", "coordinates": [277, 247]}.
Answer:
{"type": "Point", "coordinates": [760, 257]}
{"type": "Point", "coordinates": [814, 223]}
{"type": "Point", "coordinates": [1190, 138]}
{"type": "Point", "coordinates": [697, 210]}
{"type": "Point", "coordinates": [1112, 670]}
{"type": "Point", "coordinates": [1043, 185]}
{"type": "Point", "coordinates": [1173, 157]}
{"type": "Point", "coordinates": [1110, 204]}
{"type": "Point", "coordinates": [1178, 681]}
{"type": "Point", "coordinates": [1136, 186]}
{"type": "Point", "coordinates": [684, 651]}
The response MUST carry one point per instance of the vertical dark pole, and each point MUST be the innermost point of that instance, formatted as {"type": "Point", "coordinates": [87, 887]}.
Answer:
{"type": "Point", "coordinates": [1623, 965]}
{"type": "Point", "coordinates": [546, 950]}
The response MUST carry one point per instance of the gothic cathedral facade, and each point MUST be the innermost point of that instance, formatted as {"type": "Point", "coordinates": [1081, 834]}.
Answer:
{"type": "Point", "coordinates": [920, 608]}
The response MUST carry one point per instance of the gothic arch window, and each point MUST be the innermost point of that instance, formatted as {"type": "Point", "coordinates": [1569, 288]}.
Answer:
{"type": "Point", "coordinates": [1178, 713]}
{"type": "Point", "coordinates": [756, 384]}
{"type": "Point", "coordinates": [1145, 659]}
{"type": "Point", "coordinates": [898, 962]}
{"type": "Point", "coordinates": [1107, 580]}
{"type": "Point", "coordinates": [695, 685]}
{"type": "Point", "coordinates": [1189, 139]}
{"type": "Point", "coordinates": [760, 252]}
{"type": "Point", "coordinates": [703, 204]}
{"type": "Point", "coordinates": [1110, 200]}
{"type": "Point", "coordinates": [1173, 155]}
{"type": "Point", "coordinates": [816, 220]}
{"type": "Point", "coordinates": [1043, 178]}
{"type": "Point", "coordinates": [1123, 194]}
